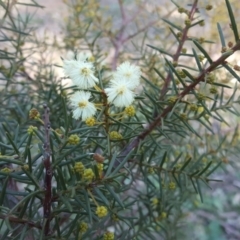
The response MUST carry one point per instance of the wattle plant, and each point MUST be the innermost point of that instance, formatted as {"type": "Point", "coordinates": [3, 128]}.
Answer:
{"type": "Point", "coordinates": [116, 153]}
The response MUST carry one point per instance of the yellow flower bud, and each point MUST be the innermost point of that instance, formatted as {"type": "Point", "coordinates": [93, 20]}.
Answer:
{"type": "Point", "coordinates": [31, 130]}
{"type": "Point", "coordinates": [151, 170]}
{"type": "Point", "coordinates": [114, 135]}
{"type": "Point", "coordinates": [79, 168]}
{"type": "Point", "coordinates": [130, 111]}
{"type": "Point", "coordinates": [188, 22]}
{"type": "Point", "coordinates": [172, 185]}
{"type": "Point", "coordinates": [183, 116]}
{"type": "Point", "coordinates": [100, 168]}
{"type": "Point", "coordinates": [201, 96]}
{"type": "Point", "coordinates": [172, 99]}
{"type": "Point", "coordinates": [73, 139]}
{"type": "Point", "coordinates": [101, 211]}
{"type": "Point", "coordinates": [83, 227]}
{"type": "Point", "coordinates": [208, 7]}
{"type": "Point", "coordinates": [163, 215]}
{"type": "Point", "coordinates": [108, 236]}
{"type": "Point", "coordinates": [155, 201]}
{"type": "Point", "coordinates": [213, 90]}
{"type": "Point", "coordinates": [91, 121]}
{"type": "Point", "coordinates": [193, 107]}
{"type": "Point", "coordinates": [6, 170]}
{"type": "Point", "coordinates": [34, 114]}
{"type": "Point", "coordinates": [25, 167]}
{"type": "Point", "coordinates": [88, 174]}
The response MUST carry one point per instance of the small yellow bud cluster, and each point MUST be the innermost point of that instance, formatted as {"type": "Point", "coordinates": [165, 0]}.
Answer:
{"type": "Point", "coordinates": [207, 116]}
{"type": "Point", "coordinates": [213, 90]}
{"type": "Point", "coordinates": [181, 10]}
{"type": "Point", "coordinates": [201, 58]}
{"type": "Point", "coordinates": [177, 82]}
{"type": "Point", "coordinates": [91, 121]}
{"type": "Point", "coordinates": [178, 166]}
{"type": "Point", "coordinates": [200, 109]}
{"type": "Point", "coordinates": [183, 116]}
{"type": "Point", "coordinates": [181, 73]}
{"type": "Point", "coordinates": [155, 201]}
{"type": "Point", "coordinates": [88, 174]}
{"type": "Point", "coordinates": [34, 114]}
{"type": "Point", "coordinates": [79, 168]}
{"type": "Point", "coordinates": [100, 168]}
{"type": "Point", "coordinates": [204, 160]}
{"type": "Point", "coordinates": [210, 78]}
{"type": "Point", "coordinates": [6, 170]}
{"type": "Point", "coordinates": [58, 131]}
{"type": "Point", "coordinates": [114, 135]}
{"type": "Point", "coordinates": [163, 215]}
{"type": "Point", "coordinates": [31, 130]}
{"type": "Point", "coordinates": [115, 218]}
{"type": "Point", "coordinates": [184, 50]}
{"type": "Point", "coordinates": [188, 22]}
{"type": "Point", "coordinates": [64, 93]}
{"type": "Point", "coordinates": [25, 167]}
{"type": "Point", "coordinates": [172, 99]}
{"type": "Point", "coordinates": [193, 107]}
{"type": "Point", "coordinates": [151, 170]}
{"type": "Point", "coordinates": [179, 34]}
{"type": "Point", "coordinates": [172, 185]}
{"type": "Point", "coordinates": [209, 7]}
{"type": "Point", "coordinates": [174, 63]}
{"type": "Point", "coordinates": [83, 227]}
{"type": "Point", "coordinates": [91, 59]}
{"type": "Point", "coordinates": [73, 139]}
{"type": "Point", "coordinates": [201, 97]}
{"type": "Point", "coordinates": [130, 111]}
{"type": "Point", "coordinates": [108, 236]}
{"type": "Point", "coordinates": [201, 40]}
{"type": "Point", "coordinates": [101, 211]}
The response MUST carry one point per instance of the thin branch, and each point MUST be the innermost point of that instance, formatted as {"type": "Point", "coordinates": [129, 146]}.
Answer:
{"type": "Point", "coordinates": [48, 172]}
{"type": "Point", "coordinates": [187, 90]}
{"type": "Point", "coordinates": [178, 52]}
{"type": "Point", "coordinates": [139, 31]}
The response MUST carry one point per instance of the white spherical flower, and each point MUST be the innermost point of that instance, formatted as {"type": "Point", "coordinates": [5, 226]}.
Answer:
{"type": "Point", "coordinates": [128, 72]}
{"type": "Point", "coordinates": [82, 107]}
{"type": "Point", "coordinates": [81, 73]}
{"type": "Point", "coordinates": [119, 93]}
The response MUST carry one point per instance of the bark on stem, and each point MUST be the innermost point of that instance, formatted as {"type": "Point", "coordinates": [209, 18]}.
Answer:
{"type": "Point", "coordinates": [48, 172]}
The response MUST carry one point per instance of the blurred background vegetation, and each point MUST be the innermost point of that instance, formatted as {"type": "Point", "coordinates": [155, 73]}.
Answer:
{"type": "Point", "coordinates": [114, 31]}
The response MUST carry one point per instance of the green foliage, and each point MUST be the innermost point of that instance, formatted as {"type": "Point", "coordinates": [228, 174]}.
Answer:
{"type": "Point", "coordinates": [124, 172]}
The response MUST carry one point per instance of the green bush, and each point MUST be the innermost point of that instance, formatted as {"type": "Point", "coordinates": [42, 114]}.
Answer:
{"type": "Point", "coordinates": [104, 156]}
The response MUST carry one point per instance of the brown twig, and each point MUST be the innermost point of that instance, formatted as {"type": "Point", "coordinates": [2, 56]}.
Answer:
{"type": "Point", "coordinates": [178, 52]}
{"type": "Point", "coordinates": [48, 172]}
{"type": "Point", "coordinates": [119, 40]}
